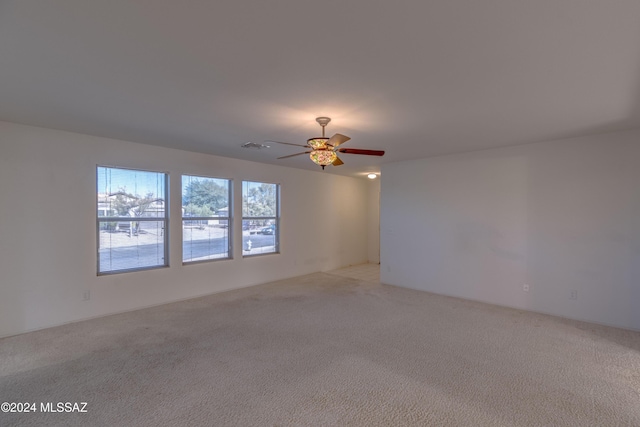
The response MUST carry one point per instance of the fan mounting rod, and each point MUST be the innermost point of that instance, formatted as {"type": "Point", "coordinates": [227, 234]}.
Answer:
{"type": "Point", "coordinates": [323, 121]}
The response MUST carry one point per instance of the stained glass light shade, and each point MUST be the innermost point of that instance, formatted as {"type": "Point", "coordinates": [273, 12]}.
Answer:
{"type": "Point", "coordinates": [323, 157]}
{"type": "Point", "coordinates": [317, 143]}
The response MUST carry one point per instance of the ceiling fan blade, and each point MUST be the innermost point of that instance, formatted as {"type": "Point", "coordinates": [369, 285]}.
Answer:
{"type": "Point", "coordinates": [337, 139]}
{"type": "Point", "coordinates": [359, 151]}
{"type": "Point", "coordinates": [293, 155]}
{"type": "Point", "coordinates": [337, 162]}
{"type": "Point", "coordinates": [288, 143]}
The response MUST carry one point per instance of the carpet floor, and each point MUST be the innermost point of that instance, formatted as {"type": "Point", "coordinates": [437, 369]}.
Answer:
{"type": "Point", "coordinates": [325, 350]}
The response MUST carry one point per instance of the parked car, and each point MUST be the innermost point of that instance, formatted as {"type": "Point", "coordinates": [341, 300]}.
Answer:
{"type": "Point", "coordinates": [268, 230]}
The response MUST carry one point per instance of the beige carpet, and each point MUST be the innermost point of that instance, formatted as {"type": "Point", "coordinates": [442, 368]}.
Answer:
{"type": "Point", "coordinates": [325, 350]}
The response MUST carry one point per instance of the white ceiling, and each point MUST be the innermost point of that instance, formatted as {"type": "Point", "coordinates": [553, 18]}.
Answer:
{"type": "Point", "coordinates": [415, 78]}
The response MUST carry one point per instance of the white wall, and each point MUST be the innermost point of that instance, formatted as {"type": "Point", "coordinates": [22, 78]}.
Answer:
{"type": "Point", "coordinates": [559, 216]}
{"type": "Point", "coordinates": [373, 222]}
{"type": "Point", "coordinates": [48, 220]}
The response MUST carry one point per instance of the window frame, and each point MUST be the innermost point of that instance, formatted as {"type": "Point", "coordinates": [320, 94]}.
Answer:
{"type": "Point", "coordinates": [276, 220]}
{"type": "Point", "coordinates": [229, 220]}
{"type": "Point", "coordinates": [164, 219]}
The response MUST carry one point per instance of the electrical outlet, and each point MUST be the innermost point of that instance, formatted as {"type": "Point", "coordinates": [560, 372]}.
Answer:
{"type": "Point", "coordinates": [525, 287]}
{"type": "Point", "coordinates": [388, 268]}
{"type": "Point", "coordinates": [86, 295]}
{"type": "Point", "coordinates": [573, 294]}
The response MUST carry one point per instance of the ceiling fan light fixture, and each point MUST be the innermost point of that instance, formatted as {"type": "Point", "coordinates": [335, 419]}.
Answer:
{"type": "Point", "coordinates": [323, 157]}
{"type": "Point", "coordinates": [317, 143]}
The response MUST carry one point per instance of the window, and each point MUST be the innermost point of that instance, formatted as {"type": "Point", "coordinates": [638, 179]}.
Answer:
{"type": "Point", "coordinates": [206, 218]}
{"type": "Point", "coordinates": [132, 220]}
{"type": "Point", "coordinates": [260, 218]}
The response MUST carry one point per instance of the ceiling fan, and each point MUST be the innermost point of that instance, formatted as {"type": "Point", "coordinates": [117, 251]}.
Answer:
{"type": "Point", "coordinates": [323, 151]}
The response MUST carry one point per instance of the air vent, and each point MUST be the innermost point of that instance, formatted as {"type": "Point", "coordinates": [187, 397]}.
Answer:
{"type": "Point", "coordinates": [254, 145]}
